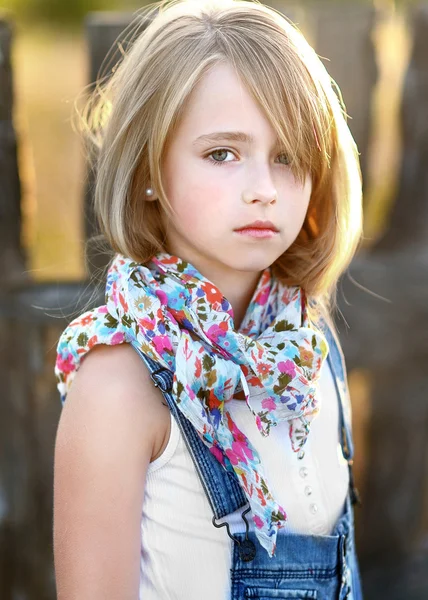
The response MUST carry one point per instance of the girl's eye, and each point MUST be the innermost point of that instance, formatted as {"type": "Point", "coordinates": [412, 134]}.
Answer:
{"type": "Point", "coordinates": [219, 151]}
{"type": "Point", "coordinates": [224, 151]}
{"type": "Point", "coordinates": [287, 161]}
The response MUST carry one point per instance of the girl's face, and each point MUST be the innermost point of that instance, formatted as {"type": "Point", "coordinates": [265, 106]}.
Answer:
{"type": "Point", "coordinates": [221, 184]}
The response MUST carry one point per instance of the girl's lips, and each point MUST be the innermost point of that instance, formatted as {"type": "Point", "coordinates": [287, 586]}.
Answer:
{"type": "Point", "coordinates": [257, 232]}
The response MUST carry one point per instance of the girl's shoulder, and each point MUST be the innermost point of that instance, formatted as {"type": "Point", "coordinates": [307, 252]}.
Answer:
{"type": "Point", "coordinates": [115, 380]}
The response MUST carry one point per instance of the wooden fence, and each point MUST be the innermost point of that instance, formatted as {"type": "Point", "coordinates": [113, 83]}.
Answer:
{"type": "Point", "coordinates": [385, 343]}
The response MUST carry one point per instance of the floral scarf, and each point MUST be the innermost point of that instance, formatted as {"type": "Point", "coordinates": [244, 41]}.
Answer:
{"type": "Point", "coordinates": [176, 316]}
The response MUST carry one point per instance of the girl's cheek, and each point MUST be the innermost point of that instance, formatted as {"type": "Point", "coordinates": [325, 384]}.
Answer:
{"type": "Point", "coordinates": [190, 215]}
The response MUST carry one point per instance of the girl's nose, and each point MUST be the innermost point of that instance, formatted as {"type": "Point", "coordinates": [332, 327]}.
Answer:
{"type": "Point", "coordinates": [261, 189]}
{"type": "Point", "coordinates": [265, 196]}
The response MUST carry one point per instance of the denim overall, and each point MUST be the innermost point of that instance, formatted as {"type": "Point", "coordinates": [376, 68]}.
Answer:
{"type": "Point", "coordinates": [322, 567]}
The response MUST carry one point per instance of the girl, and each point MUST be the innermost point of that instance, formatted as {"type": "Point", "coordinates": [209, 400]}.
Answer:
{"type": "Point", "coordinates": [205, 447]}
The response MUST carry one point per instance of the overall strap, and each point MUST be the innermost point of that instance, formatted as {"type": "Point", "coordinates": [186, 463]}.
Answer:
{"type": "Point", "coordinates": [221, 487]}
{"type": "Point", "coordinates": [337, 364]}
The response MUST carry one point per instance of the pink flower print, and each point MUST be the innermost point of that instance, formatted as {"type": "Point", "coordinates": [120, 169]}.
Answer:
{"type": "Point", "coordinates": [162, 297]}
{"type": "Point", "coordinates": [257, 521]}
{"type": "Point", "coordinates": [262, 297]}
{"type": "Point", "coordinates": [238, 453]}
{"type": "Point", "coordinates": [190, 392]}
{"type": "Point", "coordinates": [240, 443]}
{"type": "Point", "coordinates": [232, 456]}
{"type": "Point", "coordinates": [117, 338]}
{"type": "Point", "coordinates": [103, 309]}
{"type": "Point", "coordinates": [65, 364]}
{"type": "Point", "coordinates": [269, 403]}
{"type": "Point", "coordinates": [162, 343]}
{"type": "Point", "coordinates": [288, 367]}
{"type": "Point", "coordinates": [218, 454]}
{"type": "Point", "coordinates": [217, 331]}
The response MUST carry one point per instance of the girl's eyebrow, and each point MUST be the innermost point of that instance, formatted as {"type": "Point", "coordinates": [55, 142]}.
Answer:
{"type": "Point", "coordinates": [218, 136]}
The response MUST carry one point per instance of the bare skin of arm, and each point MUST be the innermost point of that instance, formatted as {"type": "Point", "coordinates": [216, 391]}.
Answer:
{"type": "Point", "coordinates": [113, 424]}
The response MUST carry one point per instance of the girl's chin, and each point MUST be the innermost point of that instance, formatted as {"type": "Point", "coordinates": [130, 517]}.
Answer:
{"type": "Point", "coordinates": [250, 263]}
{"type": "Point", "coordinates": [241, 258]}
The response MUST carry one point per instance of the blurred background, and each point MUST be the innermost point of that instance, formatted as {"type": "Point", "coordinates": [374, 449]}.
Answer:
{"type": "Point", "coordinates": [377, 52]}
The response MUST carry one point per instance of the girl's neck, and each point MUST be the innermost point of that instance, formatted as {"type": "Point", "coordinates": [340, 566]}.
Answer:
{"type": "Point", "coordinates": [239, 294]}
{"type": "Point", "coordinates": [237, 286]}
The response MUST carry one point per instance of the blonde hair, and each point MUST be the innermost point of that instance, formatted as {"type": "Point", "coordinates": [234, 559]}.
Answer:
{"type": "Point", "coordinates": [131, 117]}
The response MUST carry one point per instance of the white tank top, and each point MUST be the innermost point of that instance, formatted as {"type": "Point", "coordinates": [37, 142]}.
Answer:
{"type": "Point", "coordinates": [182, 553]}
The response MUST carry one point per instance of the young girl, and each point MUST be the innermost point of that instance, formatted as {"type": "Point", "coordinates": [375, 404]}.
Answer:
{"type": "Point", "coordinates": [205, 447]}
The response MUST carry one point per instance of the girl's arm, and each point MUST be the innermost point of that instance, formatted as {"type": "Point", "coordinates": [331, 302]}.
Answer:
{"type": "Point", "coordinates": [110, 428]}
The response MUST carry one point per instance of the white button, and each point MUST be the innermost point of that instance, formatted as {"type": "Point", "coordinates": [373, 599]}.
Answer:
{"type": "Point", "coordinates": [303, 472]}
{"type": "Point", "coordinates": [313, 508]}
{"type": "Point", "coordinates": [308, 490]}
{"type": "Point", "coordinates": [301, 454]}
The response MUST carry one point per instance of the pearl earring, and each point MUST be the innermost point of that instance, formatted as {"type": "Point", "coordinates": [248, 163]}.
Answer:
{"type": "Point", "coordinates": [149, 192]}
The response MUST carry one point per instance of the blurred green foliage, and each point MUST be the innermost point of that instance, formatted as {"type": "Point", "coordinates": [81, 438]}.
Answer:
{"type": "Point", "coordinates": [60, 11]}
{"type": "Point", "coordinates": [72, 12]}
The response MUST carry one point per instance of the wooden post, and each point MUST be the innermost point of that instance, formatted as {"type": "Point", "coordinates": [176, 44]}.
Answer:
{"type": "Point", "coordinates": [11, 252]}
{"type": "Point", "coordinates": [11, 266]}
{"type": "Point", "coordinates": [103, 31]}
